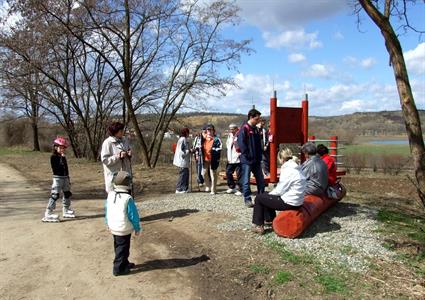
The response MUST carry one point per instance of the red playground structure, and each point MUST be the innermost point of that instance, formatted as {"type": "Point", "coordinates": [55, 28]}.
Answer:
{"type": "Point", "coordinates": [289, 125]}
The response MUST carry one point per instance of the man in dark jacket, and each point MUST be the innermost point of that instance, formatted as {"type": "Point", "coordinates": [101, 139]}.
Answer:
{"type": "Point", "coordinates": [249, 142]}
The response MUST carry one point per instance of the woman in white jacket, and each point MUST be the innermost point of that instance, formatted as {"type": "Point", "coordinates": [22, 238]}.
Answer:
{"type": "Point", "coordinates": [287, 195]}
{"type": "Point", "coordinates": [115, 154]}
{"type": "Point", "coordinates": [181, 160]}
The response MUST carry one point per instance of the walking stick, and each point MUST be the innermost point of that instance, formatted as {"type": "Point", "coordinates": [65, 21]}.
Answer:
{"type": "Point", "coordinates": [190, 172]}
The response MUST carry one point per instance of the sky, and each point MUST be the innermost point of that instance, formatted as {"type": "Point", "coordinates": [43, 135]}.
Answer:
{"type": "Point", "coordinates": [316, 47]}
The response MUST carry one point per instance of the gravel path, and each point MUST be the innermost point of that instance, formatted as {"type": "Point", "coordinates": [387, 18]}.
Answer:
{"type": "Point", "coordinates": [345, 235]}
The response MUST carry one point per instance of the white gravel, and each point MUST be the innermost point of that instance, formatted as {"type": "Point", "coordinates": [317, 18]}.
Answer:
{"type": "Point", "coordinates": [344, 236]}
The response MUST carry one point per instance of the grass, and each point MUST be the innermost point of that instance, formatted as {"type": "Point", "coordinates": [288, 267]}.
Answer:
{"type": "Point", "coordinates": [408, 232]}
{"type": "Point", "coordinates": [259, 269]}
{"type": "Point", "coordinates": [377, 149]}
{"type": "Point", "coordinates": [283, 277]}
{"type": "Point", "coordinates": [14, 150]}
{"type": "Point", "coordinates": [289, 256]}
{"type": "Point", "coordinates": [332, 283]}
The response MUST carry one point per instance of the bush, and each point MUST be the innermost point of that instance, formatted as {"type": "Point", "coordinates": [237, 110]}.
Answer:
{"type": "Point", "coordinates": [357, 161]}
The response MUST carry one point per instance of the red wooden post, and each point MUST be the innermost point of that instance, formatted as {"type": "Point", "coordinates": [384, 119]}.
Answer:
{"type": "Point", "coordinates": [304, 121]}
{"type": "Point", "coordinates": [273, 140]}
{"type": "Point", "coordinates": [333, 147]}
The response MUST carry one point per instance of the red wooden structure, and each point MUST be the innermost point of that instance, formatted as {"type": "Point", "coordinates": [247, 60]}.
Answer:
{"type": "Point", "coordinates": [288, 125]}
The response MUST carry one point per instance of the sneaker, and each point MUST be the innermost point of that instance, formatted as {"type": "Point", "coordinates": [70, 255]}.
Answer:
{"type": "Point", "coordinates": [49, 216]}
{"type": "Point", "coordinates": [180, 192]}
{"type": "Point", "coordinates": [268, 223]}
{"type": "Point", "coordinates": [230, 191]}
{"type": "Point", "coordinates": [200, 184]}
{"type": "Point", "coordinates": [249, 204]}
{"type": "Point", "coordinates": [126, 271]}
{"type": "Point", "coordinates": [207, 189]}
{"type": "Point", "coordinates": [257, 229]}
{"type": "Point", "coordinates": [238, 193]}
{"type": "Point", "coordinates": [68, 213]}
{"type": "Point", "coordinates": [213, 193]}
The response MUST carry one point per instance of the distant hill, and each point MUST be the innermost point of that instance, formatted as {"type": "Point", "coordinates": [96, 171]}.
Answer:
{"type": "Point", "coordinates": [384, 123]}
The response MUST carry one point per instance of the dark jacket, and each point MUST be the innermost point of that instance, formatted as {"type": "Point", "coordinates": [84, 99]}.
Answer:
{"type": "Point", "coordinates": [316, 172]}
{"type": "Point", "coordinates": [59, 165]}
{"type": "Point", "coordinates": [249, 141]}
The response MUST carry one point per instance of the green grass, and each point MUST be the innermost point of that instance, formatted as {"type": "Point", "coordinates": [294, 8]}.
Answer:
{"type": "Point", "coordinates": [406, 229]}
{"type": "Point", "coordinates": [14, 150]}
{"type": "Point", "coordinates": [283, 277]}
{"type": "Point", "coordinates": [290, 256]}
{"type": "Point", "coordinates": [376, 149]}
{"type": "Point", "coordinates": [259, 269]}
{"type": "Point", "coordinates": [332, 283]}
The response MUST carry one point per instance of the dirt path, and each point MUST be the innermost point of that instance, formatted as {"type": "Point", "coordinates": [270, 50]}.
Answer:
{"type": "Point", "coordinates": [73, 259]}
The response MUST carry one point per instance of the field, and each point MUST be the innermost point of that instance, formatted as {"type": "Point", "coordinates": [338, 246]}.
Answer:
{"type": "Point", "coordinates": [369, 246]}
{"type": "Point", "coordinates": [373, 149]}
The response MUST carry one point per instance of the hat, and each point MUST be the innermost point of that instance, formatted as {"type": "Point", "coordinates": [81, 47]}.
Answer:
{"type": "Point", "coordinates": [211, 126]}
{"type": "Point", "coordinates": [60, 141]}
{"type": "Point", "coordinates": [122, 181]}
{"type": "Point", "coordinates": [233, 125]}
{"type": "Point", "coordinates": [309, 148]}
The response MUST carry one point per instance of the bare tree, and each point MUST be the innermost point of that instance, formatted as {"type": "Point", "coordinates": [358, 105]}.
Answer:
{"type": "Point", "coordinates": [21, 91]}
{"type": "Point", "coordinates": [382, 14]}
{"type": "Point", "coordinates": [164, 52]}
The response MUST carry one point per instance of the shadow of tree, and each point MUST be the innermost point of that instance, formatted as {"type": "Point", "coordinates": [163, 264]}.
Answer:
{"type": "Point", "coordinates": [172, 263]}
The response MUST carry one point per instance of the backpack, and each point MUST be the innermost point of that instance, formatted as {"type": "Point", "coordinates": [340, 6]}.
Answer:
{"type": "Point", "coordinates": [235, 141]}
{"type": "Point", "coordinates": [336, 191]}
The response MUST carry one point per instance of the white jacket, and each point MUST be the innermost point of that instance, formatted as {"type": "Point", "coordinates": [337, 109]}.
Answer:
{"type": "Point", "coordinates": [111, 162]}
{"type": "Point", "coordinates": [232, 154]}
{"type": "Point", "coordinates": [181, 157]}
{"type": "Point", "coordinates": [117, 215]}
{"type": "Point", "coordinates": [292, 184]}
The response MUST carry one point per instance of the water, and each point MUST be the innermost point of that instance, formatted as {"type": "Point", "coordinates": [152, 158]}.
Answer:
{"type": "Point", "coordinates": [389, 142]}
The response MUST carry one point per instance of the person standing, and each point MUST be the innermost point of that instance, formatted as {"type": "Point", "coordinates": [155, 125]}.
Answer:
{"type": "Point", "coordinates": [115, 154]}
{"type": "Point", "coordinates": [122, 219]}
{"type": "Point", "coordinates": [61, 183]}
{"type": "Point", "coordinates": [249, 142]}
{"type": "Point", "coordinates": [315, 171]}
{"type": "Point", "coordinates": [233, 162]}
{"type": "Point", "coordinates": [181, 160]}
{"type": "Point", "coordinates": [211, 151]}
{"type": "Point", "coordinates": [265, 162]}
{"type": "Point", "coordinates": [197, 150]}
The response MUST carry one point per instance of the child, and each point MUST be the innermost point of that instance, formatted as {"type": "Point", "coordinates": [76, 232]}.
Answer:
{"type": "Point", "coordinates": [61, 182]}
{"type": "Point", "coordinates": [122, 219]}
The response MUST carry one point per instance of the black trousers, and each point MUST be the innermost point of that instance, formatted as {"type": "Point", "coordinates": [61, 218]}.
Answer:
{"type": "Point", "coordinates": [183, 180]}
{"type": "Point", "coordinates": [230, 169]}
{"type": "Point", "coordinates": [122, 252]}
{"type": "Point", "coordinates": [265, 208]}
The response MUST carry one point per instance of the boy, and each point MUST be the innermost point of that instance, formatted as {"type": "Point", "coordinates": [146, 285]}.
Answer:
{"type": "Point", "coordinates": [122, 219]}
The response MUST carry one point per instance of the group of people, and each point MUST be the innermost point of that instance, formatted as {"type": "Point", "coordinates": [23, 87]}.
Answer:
{"type": "Point", "coordinates": [247, 152]}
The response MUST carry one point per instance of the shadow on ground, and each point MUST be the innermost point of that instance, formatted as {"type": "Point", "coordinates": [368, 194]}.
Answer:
{"type": "Point", "coordinates": [179, 213]}
{"type": "Point", "coordinates": [171, 263]}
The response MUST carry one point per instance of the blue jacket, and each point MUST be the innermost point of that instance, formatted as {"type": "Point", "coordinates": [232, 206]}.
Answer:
{"type": "Point", "coordinates": [249, 142]}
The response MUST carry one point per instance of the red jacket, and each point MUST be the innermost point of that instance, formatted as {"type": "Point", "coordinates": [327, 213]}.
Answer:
{"type": "Point", "coordinates": [330, 162]}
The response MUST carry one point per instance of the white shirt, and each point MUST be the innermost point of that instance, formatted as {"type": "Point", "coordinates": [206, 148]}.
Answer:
{"type": "Point", "coordinates": [232, 154]}
{"type": "Point", "coordinates": [292, 184]}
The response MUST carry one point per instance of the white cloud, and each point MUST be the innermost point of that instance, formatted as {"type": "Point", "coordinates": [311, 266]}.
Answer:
{"type": "Point", "coordinates": [318, 71]}
{"type": "Point", "coordinates": [296, 57]}
{"type": "Point", "coordinates": [415, 59]}
{"type": "Point", "coordinates": [283, 14]}
{"type": "Point", "coordinates": [352, 105]}
{"type": "Point", "coordinates": [292, 39]}
{"type": "Point", "coordinates": [338, 35]}
{"type": "Point", "coordinates": [365, 63]}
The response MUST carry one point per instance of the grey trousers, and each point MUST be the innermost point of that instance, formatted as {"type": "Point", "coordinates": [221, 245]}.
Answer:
{"type": "Point", "coordinates": [60, 184]}
{"type": "Point", "coordinates": [183, 180]}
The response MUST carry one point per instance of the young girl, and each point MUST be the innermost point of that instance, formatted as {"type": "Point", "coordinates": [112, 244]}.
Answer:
{"type": "Point", "coordinates": [61, 182]}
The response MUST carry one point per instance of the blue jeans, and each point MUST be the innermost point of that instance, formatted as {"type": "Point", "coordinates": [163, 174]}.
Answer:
{"type": "Point", "coordinates": [245, 176]}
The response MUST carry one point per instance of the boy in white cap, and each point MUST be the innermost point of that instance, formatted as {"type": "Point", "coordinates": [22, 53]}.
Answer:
{"type": "Point", "coordinates": [233, 163]}
{"type": "Point", "coordinates": [122, 219]}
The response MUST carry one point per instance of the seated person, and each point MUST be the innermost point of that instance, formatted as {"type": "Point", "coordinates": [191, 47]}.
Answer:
{"type": "Point", "coordinates": [287, 195]}
{"type": "Point", "coordinates": [323, 151]}
{"type": "Point", "coordinates": [315, 171]}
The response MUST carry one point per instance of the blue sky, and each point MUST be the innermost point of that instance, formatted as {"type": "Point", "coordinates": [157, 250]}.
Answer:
{"type": "Point", "coordinates": [316, 46]}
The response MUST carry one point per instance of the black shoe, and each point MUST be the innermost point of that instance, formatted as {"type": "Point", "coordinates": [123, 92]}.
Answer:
{"type": "Point", "coordinates": [131, 265]}
{"type": "Point", "coordinates": [125, 272]}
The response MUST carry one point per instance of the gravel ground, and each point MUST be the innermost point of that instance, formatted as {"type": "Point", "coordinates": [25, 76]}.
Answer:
{"type": "Point", "coordinates": [345, 235]}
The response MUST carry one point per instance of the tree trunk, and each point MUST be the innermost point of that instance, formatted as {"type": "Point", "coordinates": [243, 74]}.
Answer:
{"type": "Point", "coordinates": [407, 102]}
{"type": "Point", "coordinates": [34, 125]}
